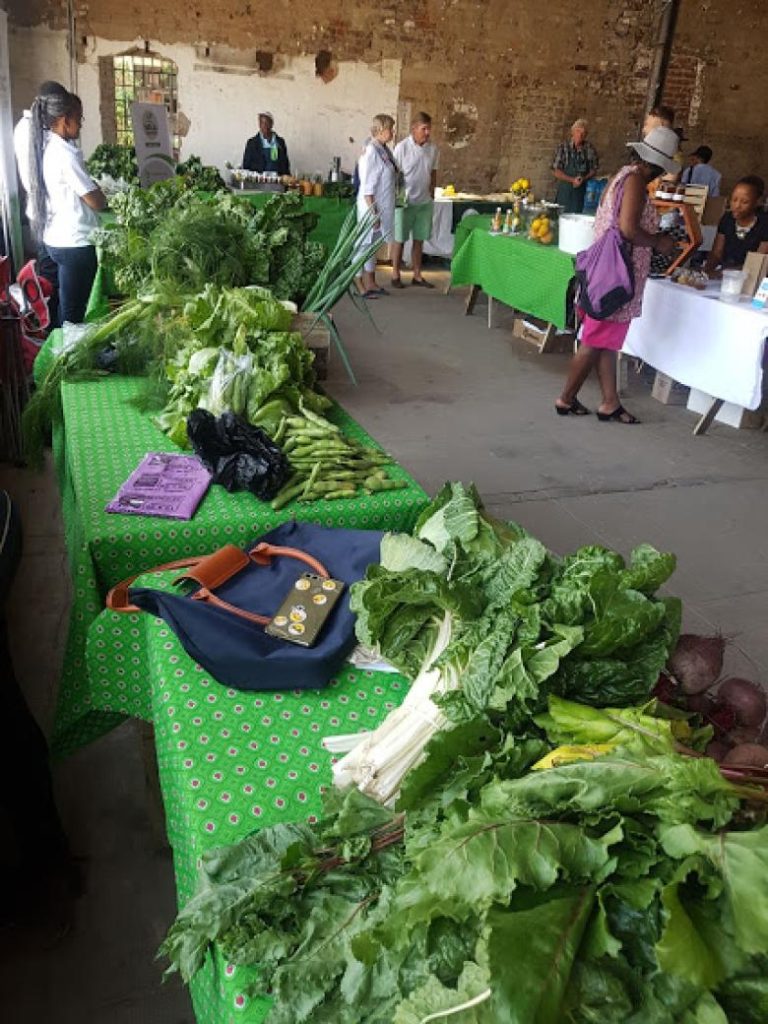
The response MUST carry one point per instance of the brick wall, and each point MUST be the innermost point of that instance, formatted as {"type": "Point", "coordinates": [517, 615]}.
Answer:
{"type": "Point", "coordinates": [718, 81]}
{"type": "Point", "coordinates": [502, 78]}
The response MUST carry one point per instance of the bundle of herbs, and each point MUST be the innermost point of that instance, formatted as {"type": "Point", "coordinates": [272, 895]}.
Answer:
{"type": "Point", "coordinates": [172, 235]}
{"type": "Point", "coordinates": [549, 858]}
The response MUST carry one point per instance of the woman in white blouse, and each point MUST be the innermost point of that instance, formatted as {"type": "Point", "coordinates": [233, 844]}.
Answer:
{"type": "Point", "coordinates": [64, 199]}
{"type": "Point", "coordinates": [378, 183]}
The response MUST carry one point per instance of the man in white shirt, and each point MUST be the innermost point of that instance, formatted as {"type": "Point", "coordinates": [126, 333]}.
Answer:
{"type": "Point", "coordinates": [699, 172]}
{"type": "Point", "coordinates": [417, 159]}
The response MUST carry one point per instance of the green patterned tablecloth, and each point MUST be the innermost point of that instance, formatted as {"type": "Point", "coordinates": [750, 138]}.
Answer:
{"type": "Point", "coordinates": [230, 762]}
{"type": "Point", "coordinates": [100, 441]}
{"type": "Point", "coordinates": [528, 276]}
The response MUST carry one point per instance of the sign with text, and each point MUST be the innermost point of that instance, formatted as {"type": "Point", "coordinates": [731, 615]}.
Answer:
{"type": "Point", "coordinates": [152, 141]}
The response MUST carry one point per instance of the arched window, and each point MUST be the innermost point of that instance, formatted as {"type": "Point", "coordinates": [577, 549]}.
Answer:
{"type": "Point", "coordinates": [136, 75]}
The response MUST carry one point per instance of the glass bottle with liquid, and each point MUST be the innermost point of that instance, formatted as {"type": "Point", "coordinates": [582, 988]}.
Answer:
{"type": "Point", "coordinates": [516, 220]}
{"type": "Point", "coordinates": [497, 221]}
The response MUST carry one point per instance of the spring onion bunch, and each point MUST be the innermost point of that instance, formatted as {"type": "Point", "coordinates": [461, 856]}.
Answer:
{"type": "Point", "coordinates": [353, 248]}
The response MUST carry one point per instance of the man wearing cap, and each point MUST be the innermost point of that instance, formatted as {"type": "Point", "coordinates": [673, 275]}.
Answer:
{"type": "Point", "coordinates": [266, 151]}
{"type": "Point", "coordinates": [699, 172]}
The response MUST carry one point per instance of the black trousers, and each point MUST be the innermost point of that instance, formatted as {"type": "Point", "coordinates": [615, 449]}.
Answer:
{"type": "Point", "coordinates": [26, 794]}
{"type": "Point", "coordinates": [49, 270]}
{"type": "Point", "coordinates": [77, 268]}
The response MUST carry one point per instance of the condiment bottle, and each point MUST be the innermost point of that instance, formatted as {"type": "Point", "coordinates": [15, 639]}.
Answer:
{"type": "Point", "coordinates": [496, 224]}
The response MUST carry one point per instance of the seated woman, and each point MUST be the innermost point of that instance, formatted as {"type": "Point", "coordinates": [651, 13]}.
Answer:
{"type": "Point", "coordinates": [743, 229]}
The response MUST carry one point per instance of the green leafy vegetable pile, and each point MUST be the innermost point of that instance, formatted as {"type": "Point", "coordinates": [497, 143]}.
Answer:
{"type": "Point", "coordinates": [626, 887]}
{"type": "Point", "coordinates": [200, 176]}
{"type": "Point", "coordinates": [486, 621]}
{"type": "Point", "coordinates": [109, 160]}
{"type": "Point", "coordinates": [172, 236]}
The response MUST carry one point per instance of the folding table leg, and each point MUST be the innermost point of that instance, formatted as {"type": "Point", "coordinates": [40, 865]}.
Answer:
{"type": "Point", "coordinates": [490, 312]}
{"type": "Point", "coordinates": [474, 291]}
{"type": "Point", "coordinates": [706, 420]}
{"type": "Point", "coordinates": [155, 809]}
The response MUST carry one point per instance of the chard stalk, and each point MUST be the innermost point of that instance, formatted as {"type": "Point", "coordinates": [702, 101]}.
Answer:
{"type": "Point", "coordinates": [380, 759]}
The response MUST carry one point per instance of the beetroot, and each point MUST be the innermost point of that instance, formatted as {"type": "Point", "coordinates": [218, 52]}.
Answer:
{"type": "Point", "coordinates": [665, 690]}
{"type": "Point", "coordinates": [744, 734]}
{"type": "Point", "coordinates": [697, 661]}
{"type": "Point", "coordinates": [701, 703]}
{"type": "Point", "coordinates": [747, 755]}
{"type": "Point", "coordinates": [722, 718]}
{"type": "Point", "coordinates": [717, 749]}
{"type": "Point", "coordinates": [747, 700]}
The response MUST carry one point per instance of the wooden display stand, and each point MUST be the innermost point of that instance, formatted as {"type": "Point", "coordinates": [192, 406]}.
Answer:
{"type": "Point", "coordinates": [692, 229]}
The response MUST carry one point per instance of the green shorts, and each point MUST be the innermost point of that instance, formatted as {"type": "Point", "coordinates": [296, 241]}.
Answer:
{"type": "Point", "coordinates": [413, 220]}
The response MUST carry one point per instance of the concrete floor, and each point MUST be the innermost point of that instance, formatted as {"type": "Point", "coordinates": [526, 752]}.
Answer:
{"type": "Point", "coordinates": [450, 400]}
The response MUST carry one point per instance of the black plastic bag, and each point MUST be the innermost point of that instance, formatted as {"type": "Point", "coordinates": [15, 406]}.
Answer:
{"type": "Point", "coordinates": [239, 455]}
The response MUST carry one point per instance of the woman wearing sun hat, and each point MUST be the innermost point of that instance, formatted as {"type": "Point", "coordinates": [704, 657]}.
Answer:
{"type": "Point", "coordinates": [625, 202]}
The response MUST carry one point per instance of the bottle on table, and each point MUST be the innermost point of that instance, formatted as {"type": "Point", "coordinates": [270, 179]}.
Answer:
{"type": "Point", "coordinates": [508, 222]}
{"type": "Point", "coordinates": [497, 220]}
{"type": "Point", "coordinates": [515, 229]}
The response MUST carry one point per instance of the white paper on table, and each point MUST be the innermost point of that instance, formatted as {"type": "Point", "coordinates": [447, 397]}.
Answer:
{"type": "Point", "coordinates": [366, 658]}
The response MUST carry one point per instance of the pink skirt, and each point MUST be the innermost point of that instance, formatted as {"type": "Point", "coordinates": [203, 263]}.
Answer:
{"type": "Point", "coordinates": [603, 333]}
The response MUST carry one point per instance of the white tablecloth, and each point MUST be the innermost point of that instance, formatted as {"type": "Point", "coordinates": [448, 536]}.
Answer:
{"type": "Point", "coordinates": [441, 242]}
{"type": "Point", "coordinates": [702, 342]}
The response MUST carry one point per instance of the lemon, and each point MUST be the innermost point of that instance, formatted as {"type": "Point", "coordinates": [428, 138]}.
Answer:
{"type": "Point", "coordinates": [546, 238]}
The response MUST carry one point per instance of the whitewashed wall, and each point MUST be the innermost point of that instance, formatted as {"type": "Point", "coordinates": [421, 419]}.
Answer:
{"type": "Point", "coordinates": [318, 120]}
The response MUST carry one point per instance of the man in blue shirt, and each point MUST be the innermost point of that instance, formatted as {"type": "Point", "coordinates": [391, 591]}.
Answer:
{"type": "Point", "coordinates": [266, 151]}
{"type": "Point", "coordinates": [698, 171]}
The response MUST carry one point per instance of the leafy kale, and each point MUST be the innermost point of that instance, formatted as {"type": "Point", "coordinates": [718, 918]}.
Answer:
{"type": "Point", "coordinates": [619, 880]}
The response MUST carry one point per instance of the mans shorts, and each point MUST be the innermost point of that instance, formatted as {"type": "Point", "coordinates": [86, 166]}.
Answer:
{"type": "Point", "coordinates": [415, 220]}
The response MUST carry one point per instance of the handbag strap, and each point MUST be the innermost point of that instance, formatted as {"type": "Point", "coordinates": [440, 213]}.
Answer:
{"type": "Point", "coordinates": [261, 554]}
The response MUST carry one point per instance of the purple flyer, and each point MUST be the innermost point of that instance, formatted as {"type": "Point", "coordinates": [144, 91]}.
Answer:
{"type": "Point", "coordinates": [165, 485]}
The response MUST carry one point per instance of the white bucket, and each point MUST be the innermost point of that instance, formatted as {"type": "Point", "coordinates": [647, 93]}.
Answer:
{"type": "Point", "coordinates": [576, 232]}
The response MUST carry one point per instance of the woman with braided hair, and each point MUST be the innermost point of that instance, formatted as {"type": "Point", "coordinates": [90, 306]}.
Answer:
{"type": "Point", "coordinates": [63, 199]}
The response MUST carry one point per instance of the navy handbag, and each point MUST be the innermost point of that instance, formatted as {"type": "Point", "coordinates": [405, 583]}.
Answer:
{"type": "Point", "coordinates": [221, 623]}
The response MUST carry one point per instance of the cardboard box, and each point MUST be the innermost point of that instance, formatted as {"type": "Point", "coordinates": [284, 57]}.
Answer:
{"type": "Point", "coordinates": [714, 208]}
{"type": "Point", "coordinates": [756, 267]}
{"type": "Point", "coordinates": [732, 415]}
{"type": "Point", "coordinates": [562, 341]}
{"type": "Point", "coordinates": [668, 391]}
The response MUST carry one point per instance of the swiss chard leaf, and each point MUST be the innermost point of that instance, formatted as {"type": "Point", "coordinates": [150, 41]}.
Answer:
{"type": "Point", "coordinates": [530, 988]}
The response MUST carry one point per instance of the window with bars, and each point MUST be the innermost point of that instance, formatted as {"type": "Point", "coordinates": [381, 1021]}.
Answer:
{"type": "Point", "coordinates": [146, 77]}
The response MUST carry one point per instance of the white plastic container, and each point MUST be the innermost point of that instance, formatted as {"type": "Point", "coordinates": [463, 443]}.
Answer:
{"type": "Point", "coordinates": [576, 232]}
{"type": "Point", "coordinates": [731, 285]}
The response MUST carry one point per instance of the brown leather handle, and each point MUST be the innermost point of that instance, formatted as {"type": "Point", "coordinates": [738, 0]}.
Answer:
{"type": "Point", "coordinates": [261, 554]}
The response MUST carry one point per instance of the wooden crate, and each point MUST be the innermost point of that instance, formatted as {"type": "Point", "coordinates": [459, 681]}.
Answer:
{"type": "Point", "coordinates": [317, 338]}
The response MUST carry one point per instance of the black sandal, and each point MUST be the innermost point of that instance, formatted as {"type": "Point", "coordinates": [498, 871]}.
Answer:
{"type": "Point", "coordinates": [619, 415]}
{"type": "Point", "coordinates": [574, 409]}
